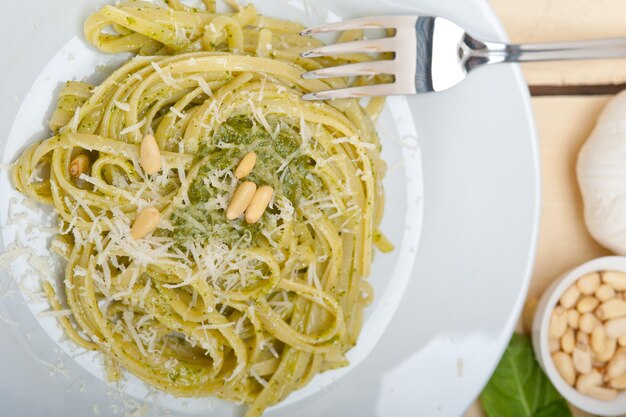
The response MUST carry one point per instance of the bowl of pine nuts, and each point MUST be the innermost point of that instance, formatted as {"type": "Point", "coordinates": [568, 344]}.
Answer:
{"type": "Point", "coordinates": [579, 335]}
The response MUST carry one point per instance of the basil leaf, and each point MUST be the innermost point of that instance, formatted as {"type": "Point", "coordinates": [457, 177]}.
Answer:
{"type": "Point", "coordinates": [519, 388]}
{"type": "Point", "coordinates": [556, 408]}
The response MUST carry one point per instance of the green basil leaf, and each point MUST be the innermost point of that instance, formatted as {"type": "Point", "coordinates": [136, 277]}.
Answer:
{"type": "Point", "coordinates": [519, 388]}
{"type": "Point", "coordinates": [557, 408]}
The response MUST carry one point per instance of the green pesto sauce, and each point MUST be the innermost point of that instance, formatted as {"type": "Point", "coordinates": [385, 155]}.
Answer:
{"type": "Point", "coordinates": [280, 164]}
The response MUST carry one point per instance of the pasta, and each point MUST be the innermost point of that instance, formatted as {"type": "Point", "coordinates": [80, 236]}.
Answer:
{"type": "Point", "coordinates": [203, 305]}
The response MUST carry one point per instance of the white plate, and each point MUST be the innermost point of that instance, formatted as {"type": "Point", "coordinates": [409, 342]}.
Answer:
{"type": "Point", "coordinates": [480, 199]}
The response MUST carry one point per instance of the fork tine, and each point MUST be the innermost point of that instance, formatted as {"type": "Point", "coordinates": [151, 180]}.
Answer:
{"type": "Point", "coordinates": [375, 22]}
{"type": "Point", "coordinates": [361, 68]}
{"type": "Point", "coordinates": [356, 92]}
{"type": "Point", "coordinates": [365, 46]}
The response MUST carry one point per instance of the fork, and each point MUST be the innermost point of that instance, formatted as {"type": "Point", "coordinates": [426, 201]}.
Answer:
{"type": "Point", "coordinates": [433, 54]}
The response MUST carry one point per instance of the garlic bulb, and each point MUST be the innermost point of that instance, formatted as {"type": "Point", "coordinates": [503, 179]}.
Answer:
{"type": "Point", "coordinates": [601, 174]}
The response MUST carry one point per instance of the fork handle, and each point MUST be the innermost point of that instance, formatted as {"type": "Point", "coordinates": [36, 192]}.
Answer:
{"type": "Point", "coordinates": [493, 52]}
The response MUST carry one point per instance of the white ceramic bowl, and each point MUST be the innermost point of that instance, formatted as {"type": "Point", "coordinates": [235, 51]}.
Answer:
{"type": "Point", "coordinates": [541, 326]}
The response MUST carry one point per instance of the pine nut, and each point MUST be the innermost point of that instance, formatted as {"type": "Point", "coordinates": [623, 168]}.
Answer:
{"type": "Point", "coordinates": [589, 380]}
{"type": "Point", "coordinates": [615, 279]}
{"type": "Point", "coordinates": [554, 345]}
{"type": "Point", "coordinates": [246, 165]}
{"type": "Point", "coordinates": [610, 346]}
{"type": "Point", "coordinates": [241, 200]}
{"type": "Point", "coordinates": [616, 327]}
{"type": "Point", "coordinates": [581, 356]}
{"type": "Point", "coordinates": [601, 367]}
{"type": "Point", "coordinates": [617, 364]}
{"type": "Point", "coordinates": [588, 284]}
{"type": "Point", "coordinates": [565, 366]}
{"type": "Point", "coordinates": [587, 304]}
{"type": "Point", "coordinates": [570, 297]}
{"type": "Point", "coordinates": [605, 292]}
{"type": "Point", "coordinates": [568, 341]}
{"type": "Point", "coordinates": [598, 339]}
{"type": "Point", "coordinates": [582, 338]}
{"type": "Point", "coordinates": [602, 394]}
{"type": "Point", "coordinates": [588, 322]}
{"type": "Point", "coordinates": [611, 309]}
{"type": "Point", "coordinates": [79, 165]}
{"type": "Point", "coordinates": [262, 199]}
{"type": "Point", "coordinates": [150, 155]}
{"type": "Point", "coordinates": [621, 341]}
{"type": "Point", "coordinates": [146, 221]}
{"type": "Point", "coordinates": [618, 382]}
{"type": "Point", "coordinates": [573, 317]}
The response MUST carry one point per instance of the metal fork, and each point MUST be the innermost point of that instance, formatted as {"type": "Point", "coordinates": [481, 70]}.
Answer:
{"type": "Point", "coordinates": [433, 54]}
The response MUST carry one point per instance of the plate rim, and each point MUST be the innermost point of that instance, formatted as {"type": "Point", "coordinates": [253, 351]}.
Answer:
{"type": "Point", "coordinates": [516, 310]}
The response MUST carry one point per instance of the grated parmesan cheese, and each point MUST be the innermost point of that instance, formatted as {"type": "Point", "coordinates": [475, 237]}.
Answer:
{"type": "Point", "coordinates": [132, 128]}
{"type": "Point", "coordinates": [167, 78]}
{"type": "Point", "coordinates": [79, 271]}
{"type": "Point", "coordinates": [178, 113]}
{"type": "Point", "coordinates": [203, 85]}
{"type": "Point", "coordinates": [122, 106]}
{"type": "Point", "coordinates": [55, 313]}
{"type": "Point", "coordinates": [40, 264]}
{"type": "Point", "coordinates": [355, 142]}
{"type": "Point", "coordinates": [73, 124]}
{"type": "Point", "coordinates": [54, 369]}
{"type": "Point", "coordinates": [258, 378]}
{"type": "Point", "coordinates": [11, 255]}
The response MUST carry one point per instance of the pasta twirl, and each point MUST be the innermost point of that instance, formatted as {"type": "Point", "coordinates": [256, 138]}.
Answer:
{"type": "Point", "coordinates": [203, 305]}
